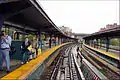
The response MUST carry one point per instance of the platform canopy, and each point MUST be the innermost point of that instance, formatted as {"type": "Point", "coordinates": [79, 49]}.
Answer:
{"type": "Point", "coordinates": [115, 32]}
{"type": "Point", "coordinates": [29, 15]}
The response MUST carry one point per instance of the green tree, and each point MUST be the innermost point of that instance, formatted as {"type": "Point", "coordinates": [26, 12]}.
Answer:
{"type": "Point", "coordinates": [115, 41]}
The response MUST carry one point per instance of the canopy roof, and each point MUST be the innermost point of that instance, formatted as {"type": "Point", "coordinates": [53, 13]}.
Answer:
{"type": "Point", "coordinates": [28, 14]}
{"type": "Point", "coordinates": [115, 32]}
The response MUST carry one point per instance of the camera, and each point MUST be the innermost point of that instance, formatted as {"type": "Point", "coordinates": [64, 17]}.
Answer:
{"type": "Point", "coordinates": [2, 34]}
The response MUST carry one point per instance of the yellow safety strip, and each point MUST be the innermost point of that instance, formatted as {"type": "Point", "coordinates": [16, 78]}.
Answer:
{"type": "Point", "coordinates": [105, 63]}
{"type": "Point", "coordinates": [24, 71]}
{"type": "Point", "coordinates": [105, 53]}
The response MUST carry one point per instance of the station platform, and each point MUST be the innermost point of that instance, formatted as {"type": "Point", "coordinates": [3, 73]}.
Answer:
{"type": "Point", "coordinates": [109, 54]}
{"type": "Point", "coordinates": [89, 71]}
{"type": "Point", "coordinates": [64, 66]}
{"type": "Point", "coordinates": [62, 62]}
{"type": "Point", "coordinates": [15, 63]}
{"type": "Point", "coordinates": [23, 71]}
{"type": "Point", "coordinates": [68, 66]}
{"type": "Point", "coordinates": [116, 52]}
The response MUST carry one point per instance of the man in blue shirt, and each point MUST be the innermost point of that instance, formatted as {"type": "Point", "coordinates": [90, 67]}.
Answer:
{"type": "Point", "coordinates": [4, 50]}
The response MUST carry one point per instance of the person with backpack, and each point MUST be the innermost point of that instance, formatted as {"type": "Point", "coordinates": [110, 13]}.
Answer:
{"type": "Point", "coordinates": [4, 50]}
{"type": "Point", "coordinates": [25, 51]}
{"type": "Point", "coordinates": [34, 47]}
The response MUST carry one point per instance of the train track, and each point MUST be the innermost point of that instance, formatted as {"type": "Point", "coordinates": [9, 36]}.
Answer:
{"type": "Point", "coordinates": [102, 65]}
{"type": "Point", "coordinates": [62, 68]}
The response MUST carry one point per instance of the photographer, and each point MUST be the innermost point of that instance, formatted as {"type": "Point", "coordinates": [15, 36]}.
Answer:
{"type": "Point", "coordinates": [4, 50]}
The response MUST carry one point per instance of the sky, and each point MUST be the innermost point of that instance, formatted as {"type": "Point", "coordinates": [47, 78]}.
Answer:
{"type": "Point", "coordinates": [82, 16]}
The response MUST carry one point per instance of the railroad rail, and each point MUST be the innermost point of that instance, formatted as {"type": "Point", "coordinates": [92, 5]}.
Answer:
{"type": "Point", "coordinates": [89, 71]}
{"type": "Point", "coordinates": [66, 66]}
{"type": "Point", "coordinates": [109, 70]}
{"type": "Point", "coordinates": [63, 67]}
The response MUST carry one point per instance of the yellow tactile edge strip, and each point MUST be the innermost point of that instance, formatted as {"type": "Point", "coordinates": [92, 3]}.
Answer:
{"type": "Point", "coordinates": [23, 71]}
{"type": "Point", "coordinates": [105, 63]}
{"type": "Point", "coordinates": [105, 53]}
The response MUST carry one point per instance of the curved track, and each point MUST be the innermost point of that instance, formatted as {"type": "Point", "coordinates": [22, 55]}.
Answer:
{"type": "Point", "coordinates": [63, 67]}
{"type": "Point", "coordinates": [105, 67]}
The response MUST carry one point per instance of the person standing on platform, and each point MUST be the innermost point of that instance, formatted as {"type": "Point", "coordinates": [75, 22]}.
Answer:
{"type": "Point", "coordinates": [4, 50]}
{"type": "Point", "coordinates": [50, 42]}
{"type": "Point", "coordinates": [37, 47]}
{"type": "Point", "coordinates": [34, 46]}
{"type": "Point", "coordinates": [25, 51]}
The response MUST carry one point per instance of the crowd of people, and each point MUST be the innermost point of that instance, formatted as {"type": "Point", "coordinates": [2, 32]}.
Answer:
{"type": "Point", "coordinates": [29, 50]}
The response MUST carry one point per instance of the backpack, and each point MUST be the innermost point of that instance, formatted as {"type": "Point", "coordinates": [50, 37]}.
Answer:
{"type": "Point", "coordinates": [12, 50]}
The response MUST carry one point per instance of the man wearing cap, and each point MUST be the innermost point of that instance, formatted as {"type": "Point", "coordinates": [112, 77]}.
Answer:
{"type": "Point", "coordinates": [4, 50]}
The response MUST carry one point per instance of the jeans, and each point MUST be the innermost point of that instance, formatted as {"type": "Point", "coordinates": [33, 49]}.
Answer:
{"type": "Point", "coordinates": [34, 51]}
{"type": "Point", "coordinates": [25, 56]}
{"type": "Point", "coordinates": [4, 55]}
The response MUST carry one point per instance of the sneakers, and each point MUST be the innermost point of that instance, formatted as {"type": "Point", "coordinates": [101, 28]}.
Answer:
{"type": "Point", "coordinates": [8, 71]}
{"type": "Point", "coordinates": [22, 63]}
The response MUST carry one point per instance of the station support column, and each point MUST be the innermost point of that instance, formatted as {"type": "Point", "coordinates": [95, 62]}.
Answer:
{"type": "Point", "coordinates": [50, 40]}
{"type": "Point", "coordinates": [67, 39]}
{"type": "Point", "coordinates": [100, 42]}
{"type": "Point", "coordinates": [64, 39]}
{"type": "Point", "coordinates": [40, 42]}
{"type": "Point", "coordinates": [107, 43]}
{"type": "Point", "coordinates": [92, 42]}
{"type": "Point", "coordinates": [61, 40]}
{"type": "Point", "coordinates": [86, 41]}
{"type": "Point", "coordinates": [58, 40]}
{"type": "Point", "coordinates": [17, 35]}
{"type": "Point", "coordinates": [55, 40]}
{"type": "Point", "coordinates": [97, 44]}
